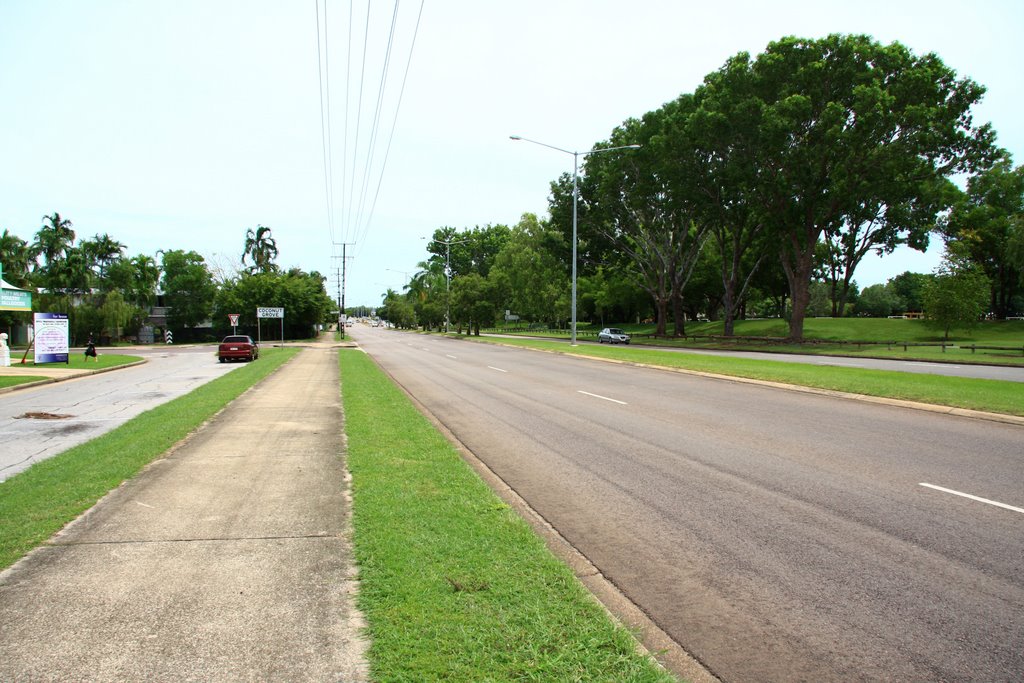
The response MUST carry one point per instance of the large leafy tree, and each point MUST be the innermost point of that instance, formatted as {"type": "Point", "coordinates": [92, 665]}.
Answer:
{"type": "Point", "coordinates": [136, 278]}
{"type": "Point", "coordinates": [645, 201]}
{"type": "Point", "coordinates": [880, 228]}
{"type": "Point", "coordinates": [529, 280]}
{"type": "Point", "coordinates": [473, 302]}
{"type": "Point", "coordinates": [726, 139]}
{"type": "Point", "coordinates": [909, 290]}
{"type": "Point", "coordinates": [608, 295]}
{"type": "Point", "coordinates": [877, 301]}
{"type": "Point", "coordinates": [850, 131]}
{"type": "Point", "coordinates": [957, 296]}
{"type": "Point", "coordinates": [471, 251]}
{"type": "Point", "coordinates": [188, 289]}
{"type": "Point", "coordinates": [987, 224]}
{"type": "Point", "coordinates": [302, 296]}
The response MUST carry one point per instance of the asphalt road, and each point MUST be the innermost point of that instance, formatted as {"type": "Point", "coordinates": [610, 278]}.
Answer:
{"type": "Point", "coordinates": [775, 535]}
{"type": "Point", "coordinates": [95, 404]}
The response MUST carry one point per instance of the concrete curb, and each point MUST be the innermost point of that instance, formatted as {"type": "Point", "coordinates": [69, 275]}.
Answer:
{"type": "Point", "coordinates": [76, 375]}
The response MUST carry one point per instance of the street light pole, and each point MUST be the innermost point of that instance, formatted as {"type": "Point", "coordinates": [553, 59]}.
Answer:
{"type": "Point", "coordinates": [406, 273]}
{"type": "Point", "coordinates": [575, 194]}
{"type": "Point", "coordinates": [448, 279]}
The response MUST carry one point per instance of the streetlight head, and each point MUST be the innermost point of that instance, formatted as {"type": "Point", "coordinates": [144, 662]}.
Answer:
{"type": "Point", "coordinates": [514, 137]}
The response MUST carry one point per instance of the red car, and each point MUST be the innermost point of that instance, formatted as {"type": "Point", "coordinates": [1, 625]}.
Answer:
{"type": "Point", "coordinates": [238, 347]}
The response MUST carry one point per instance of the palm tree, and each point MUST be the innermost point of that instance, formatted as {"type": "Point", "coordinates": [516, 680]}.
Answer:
{"type": "Point", "coordinates": [426, 279]}
{"type": "Point", "coordinates": [261, 248]}
{"type": "Point", "coordinates": [15, 256]}
{"type": "Point", "coordinates": [54, 239]}
{"type": "Point", "coordinates": [102, 250]}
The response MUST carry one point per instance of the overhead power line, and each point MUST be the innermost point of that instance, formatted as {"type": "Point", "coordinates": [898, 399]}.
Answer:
{"type": "Point", "coordinates": [359, 161]}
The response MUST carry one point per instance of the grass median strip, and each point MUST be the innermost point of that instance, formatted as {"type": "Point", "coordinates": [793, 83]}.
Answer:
{"type": "Point", "coordinates": [989, 395]}
{"type": "Point", "coordinates": [454, 584]}
{"type": "Point", "coordinates": [38, 502]}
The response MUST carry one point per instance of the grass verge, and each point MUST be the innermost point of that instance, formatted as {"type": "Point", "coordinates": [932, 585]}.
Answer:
{"type": "Point", "coordinates": [76, 363]}
{"type": "Point", "coordinates": [9, 381]}
{"type": "Point", "coordinates": [454, 584]}
{"type": "Point", "coordinates": [988, 395]}
{"type": "Point", "coordinates": [38, 502]}
{"type": "Point", "coordinates": [864, 337]}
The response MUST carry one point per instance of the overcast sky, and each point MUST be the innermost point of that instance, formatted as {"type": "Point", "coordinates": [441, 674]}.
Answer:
{"type": "Point", "coordinates": [179, 124]}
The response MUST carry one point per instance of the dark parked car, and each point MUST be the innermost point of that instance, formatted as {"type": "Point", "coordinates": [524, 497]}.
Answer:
{"type": "Point", "coordinates": [612, 335]}
{"type": "Point", "coordinates": [238, 347]}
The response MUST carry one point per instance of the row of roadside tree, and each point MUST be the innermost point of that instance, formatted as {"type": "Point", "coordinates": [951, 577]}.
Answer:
{"type": "Point", "coordinates": [759, 194]}
{"type": "Point", "coordinates": [112, 295]}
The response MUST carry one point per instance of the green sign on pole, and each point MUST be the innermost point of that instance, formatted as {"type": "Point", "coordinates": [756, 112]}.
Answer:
{"type": "Point", "coordinates": [13, 298]}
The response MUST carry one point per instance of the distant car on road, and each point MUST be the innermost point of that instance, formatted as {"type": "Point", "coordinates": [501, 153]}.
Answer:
{"type": "Point", "coordinates": [612, 335]}
{"type": "Point", "coordinates": [238, 347]}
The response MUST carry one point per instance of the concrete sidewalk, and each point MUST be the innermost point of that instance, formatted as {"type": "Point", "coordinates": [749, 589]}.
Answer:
{"type": "Point", "coordinates": [229, 559]}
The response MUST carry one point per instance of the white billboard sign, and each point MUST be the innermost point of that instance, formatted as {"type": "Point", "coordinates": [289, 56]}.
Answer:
{"type": "Point", "coordinates": [51, 337]}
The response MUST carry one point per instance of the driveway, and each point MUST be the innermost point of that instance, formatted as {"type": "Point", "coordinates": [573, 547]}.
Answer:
{"type": "Point", "coordinates": [41, 421]}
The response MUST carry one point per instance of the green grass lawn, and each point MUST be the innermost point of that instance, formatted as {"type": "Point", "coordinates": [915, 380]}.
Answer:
{"type": "Point", "coordinates": [76, 362]}
{"type": "Point", "coordinates": [960, 392]}
{"type": "Point", "coordinates": [12, 381]}
{"type": "Point", "coordinates": [839, 337]}
{"type": "Point", "coordinates": [38, 502]}
{"type": "Point", "coordinates": [455, 585]}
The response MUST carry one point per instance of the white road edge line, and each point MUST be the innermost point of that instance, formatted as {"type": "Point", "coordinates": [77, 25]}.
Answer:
{"type": "Point", "coordinates": [498, 369]}
{"type": "Point", "coordinates": [977, 498]}
{"type": "Point", "coordinates": [603, 398]}
{"type": "Point", "coordinates": [448, 355]}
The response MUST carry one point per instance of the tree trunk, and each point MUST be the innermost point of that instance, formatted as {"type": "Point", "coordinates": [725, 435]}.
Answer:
{"type": "Point", "coordinates": [680, 317]}
{"type": "Point", "coordinates": [661, 312]}
{"type": "Point", "coordinates": [727, 304]}
{"type": "Point", "coordinates": [798, 275]}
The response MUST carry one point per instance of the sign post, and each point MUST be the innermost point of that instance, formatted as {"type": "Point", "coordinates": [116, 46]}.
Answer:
{"type": "Point", "coordinates": [268, 312]}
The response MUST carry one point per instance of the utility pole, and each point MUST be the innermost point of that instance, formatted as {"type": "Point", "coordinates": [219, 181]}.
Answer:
{"type": "Point", "coordinates": [344, 259]}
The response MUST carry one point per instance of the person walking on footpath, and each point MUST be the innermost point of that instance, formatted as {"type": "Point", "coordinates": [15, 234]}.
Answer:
{"type": "Point", "coordinates": [90, 350]}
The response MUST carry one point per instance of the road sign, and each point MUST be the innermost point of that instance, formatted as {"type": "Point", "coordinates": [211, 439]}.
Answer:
{"type": "Point", "coordinates": [233, 317]}
{"type": "Point", "coordinates": [269, 312]}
